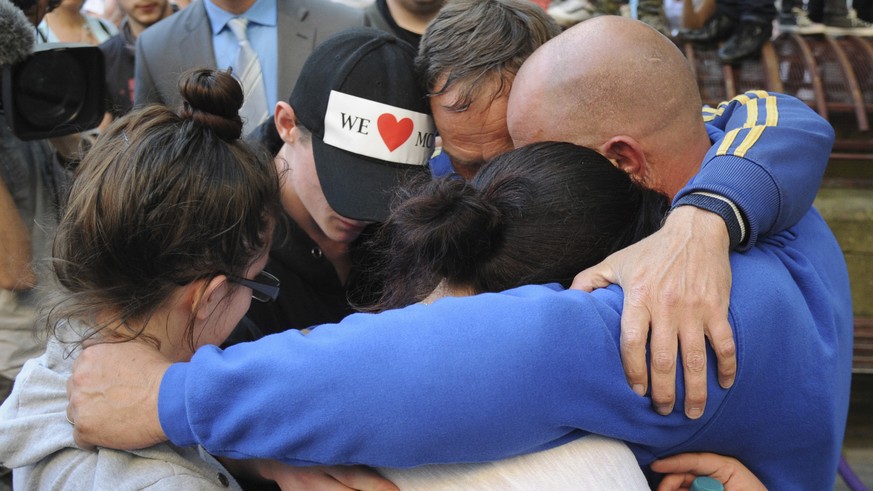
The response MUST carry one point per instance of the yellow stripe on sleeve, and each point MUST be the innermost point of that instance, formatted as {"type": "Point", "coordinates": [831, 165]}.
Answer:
{"type": "Point", "coordinates": [772, 112]}
{"type": "Point", "coordinates": [771, 118]}
{"type": "Point", "coordinates": [708, 113]}
{"type": "Point", "coordinates": [749, 140]}
{"type": "Point", "coordinates": [761, 94]}
{"type": "Point", "coordinates": [751, 114]}
{"type": "Point", "coordinates": [729, 138]}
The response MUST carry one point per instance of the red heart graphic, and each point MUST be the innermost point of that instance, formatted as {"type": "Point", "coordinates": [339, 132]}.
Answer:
{"type": "Point", "coordinates": [394, 133]}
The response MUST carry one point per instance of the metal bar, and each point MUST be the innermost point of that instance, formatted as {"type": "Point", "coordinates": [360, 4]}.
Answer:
{"type": "Point", "coordinates": [852, 81]}
{"type": "Point", "coordinates": [770, 67]}
{"type": "Point", "coordinates": [812, 69]}
{"type": "Point", "coordinates": [730, 85]}
{"type": "Point", "coordinates": [689, 53]}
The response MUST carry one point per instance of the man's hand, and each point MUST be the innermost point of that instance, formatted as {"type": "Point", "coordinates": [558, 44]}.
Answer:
{"type": "Point", "coordinates": [113, 394]}
{"type": "Point", "coordinates": [678, 280]}
{"type": "Point", "coordinates": [336, 478]}
{"type": "Point", "coordinates": [683, 468]}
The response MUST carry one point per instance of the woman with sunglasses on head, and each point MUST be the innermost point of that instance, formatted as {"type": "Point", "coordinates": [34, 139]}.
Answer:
{"type": "Point", "coordinates": [163, 242]}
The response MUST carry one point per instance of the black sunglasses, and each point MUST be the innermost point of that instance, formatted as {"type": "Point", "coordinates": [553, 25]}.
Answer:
{"type": "Point", "coordinates": [265, 287]}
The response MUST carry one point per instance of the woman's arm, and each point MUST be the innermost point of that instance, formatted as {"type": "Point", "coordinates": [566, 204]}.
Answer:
{"type": "Point", "coordinates": [15, 254]}
{"type": "Point", "coordinates": [315, 478]}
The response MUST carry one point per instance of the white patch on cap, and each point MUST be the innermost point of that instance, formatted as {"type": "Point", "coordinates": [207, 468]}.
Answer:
{"type": "Point", "coordinates": [378, 130]}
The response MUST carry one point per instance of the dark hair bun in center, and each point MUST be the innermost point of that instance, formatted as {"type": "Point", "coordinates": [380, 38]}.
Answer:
{"type": "Point", "coordinates": [212, 99]}
{"type": "Point", "coordinates": [454, 227]}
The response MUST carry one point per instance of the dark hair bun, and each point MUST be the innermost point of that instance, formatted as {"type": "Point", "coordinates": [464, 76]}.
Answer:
{"type": "Point", "coordinates": [212, 99]}
{"type": "Point", "coordinates": [451, 226]}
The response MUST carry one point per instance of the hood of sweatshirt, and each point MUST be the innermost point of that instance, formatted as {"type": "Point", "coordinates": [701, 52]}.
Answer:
{"type": "Point", "coordinates": [33, 421]}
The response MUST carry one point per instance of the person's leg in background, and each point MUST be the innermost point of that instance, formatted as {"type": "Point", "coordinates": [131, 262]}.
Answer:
{"type": "Point", "coordinates": [794, 18]}
{"type": "Point", "coordinates": [754, 28]}
{"type": "Point", "coordinates": [840, 20]}
{"type": "Point", "coordinates": [18, 339]}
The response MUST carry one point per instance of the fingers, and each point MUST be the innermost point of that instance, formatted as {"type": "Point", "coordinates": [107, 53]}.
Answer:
{"type": "Point", "coordinates": [675, 482]}
{"type": "Point", "coordinates": [113, 394]}
{"type": "Point", "coordinates": [693, 342]}
{"type": "Point", "coordinates": [720, 467]}
{"type": "Point", "coordinates": [664, 348]}
{"type": "Point", "coordinates": [635, 320]}
{"type": "Point", "coordinates": [361, 478]}
{"type": "Point", "coordinates": [722, 340]}
{"type": "Point", "coordinates": [681, 470]}
{"type": "Point", "coordinates": [597, 276]}
{"type": "Point", "coordinates": [315, 479]}
{"type": "Point", "coordinates": [663, 358]}
{"type": "Point", "coordinates": [692, 463]}
{"type": "Point", "coordinates": [71, 414]}
{"type": "Point", "coordinates": [290, 478]}
{"type": "Point", "coordinates": [727, 470]}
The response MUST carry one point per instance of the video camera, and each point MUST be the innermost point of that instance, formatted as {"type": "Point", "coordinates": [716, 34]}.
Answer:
{"type": "Point", "coordinates": [48, 90]}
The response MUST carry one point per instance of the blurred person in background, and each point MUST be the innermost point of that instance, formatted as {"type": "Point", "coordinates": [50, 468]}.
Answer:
{"type": "Point", "coordinates": [32, 184]}
{"type": "Point", "coordinates": [406, 19]}
{"type": "Point", "coordinates": [278, 35]}
{"type": "Point", "coordinates": [119, 51]}
{"type": "Point", "coordinates": [69, 24]}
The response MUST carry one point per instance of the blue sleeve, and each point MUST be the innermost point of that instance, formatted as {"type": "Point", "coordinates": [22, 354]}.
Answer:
{"type": "Point", "coordinates": [462, 380]}
{"type": "Point", "coordinates": [769, 156]}
{"type": "Point", "coordinates": [441, 165]}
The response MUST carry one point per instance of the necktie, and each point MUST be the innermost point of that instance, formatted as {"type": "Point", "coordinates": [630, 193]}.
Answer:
{"type": "Point", "coordinates": [248, 71]}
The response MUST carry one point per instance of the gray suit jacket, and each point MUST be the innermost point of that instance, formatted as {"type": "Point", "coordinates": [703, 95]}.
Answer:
{"type": "Point", "coordinates": [184, 40]}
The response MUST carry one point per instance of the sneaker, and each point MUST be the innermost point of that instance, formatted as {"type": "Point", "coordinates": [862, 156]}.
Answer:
{"type": "Point", "coordinates": [659, 22]}
{"type": "Point", "coordinates": [848, 25]}
{"type": "Point", "coordinates": [715, 29]}
{"type": "Point", "coordinates": [798, 21]}
{"type": "Point", "coordinates": [652, 13]}
{"type": "Point", "coordinates": [746, 40]}
{"type": "Point", "coordinates": [608, 7]}
{"type": "Point", "coordinates": [571, 12]}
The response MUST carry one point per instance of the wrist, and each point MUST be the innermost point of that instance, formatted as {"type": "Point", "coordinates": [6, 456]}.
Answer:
{"type": "Point", "coordinates": [699, 222]}
{"type": "Point", "coordinates": [722, 207]}
{"type": "Point", "coordinates": [157, 374]}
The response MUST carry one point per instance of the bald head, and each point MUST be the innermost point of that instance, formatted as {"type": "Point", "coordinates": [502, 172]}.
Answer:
{"type": "Point", "coordinates": [605, 77]}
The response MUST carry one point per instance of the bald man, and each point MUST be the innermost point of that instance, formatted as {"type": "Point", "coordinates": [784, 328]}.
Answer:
{"type": "Point", "coordinates": [486, 377]}
{"type": "Point", "coordinates": [583, 80]}
{"type": "Point", "coordinates": [685, 298]}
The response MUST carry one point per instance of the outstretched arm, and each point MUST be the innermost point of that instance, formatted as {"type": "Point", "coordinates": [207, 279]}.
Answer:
{"type": "Point", "coordinates": [400, 388]}
{"type": "Point", "coordinates": [760, 177]}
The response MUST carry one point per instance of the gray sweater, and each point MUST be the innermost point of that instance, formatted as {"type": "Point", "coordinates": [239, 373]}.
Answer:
{"type": "Point", "coordinates": [36, 441]}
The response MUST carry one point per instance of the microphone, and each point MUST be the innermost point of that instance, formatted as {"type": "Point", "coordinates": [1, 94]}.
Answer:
{"type": "Point", "coordinates": [16, 34]}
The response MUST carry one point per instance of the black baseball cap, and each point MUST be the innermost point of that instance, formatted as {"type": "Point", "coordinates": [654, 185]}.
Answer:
{"type": "Point", "coordinates": [369, 116]}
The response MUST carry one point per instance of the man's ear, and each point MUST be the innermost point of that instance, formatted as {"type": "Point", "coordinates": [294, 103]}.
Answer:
{"type": "Point", "coordinates": [286, 120]}
{"type": "Point", "coordinates": [208, 295]}
{"type": "Point", "coordinates": [627, 154]}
